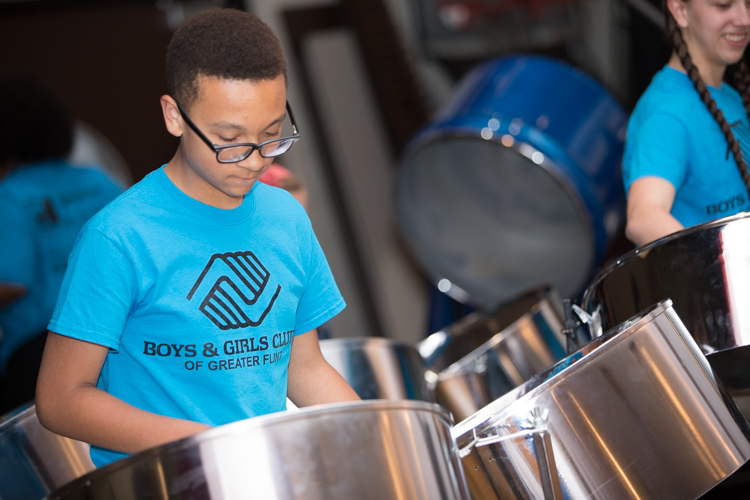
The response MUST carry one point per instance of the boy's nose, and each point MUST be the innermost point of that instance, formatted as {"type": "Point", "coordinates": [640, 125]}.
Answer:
{"type": "Point", "coordinates": [254, 162]}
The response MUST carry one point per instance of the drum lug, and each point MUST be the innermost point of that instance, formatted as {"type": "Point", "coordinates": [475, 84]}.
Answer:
{"type": "Point", "coordinates": [575, 318]}
{"type": "Point", "coordinates": [593, 320]}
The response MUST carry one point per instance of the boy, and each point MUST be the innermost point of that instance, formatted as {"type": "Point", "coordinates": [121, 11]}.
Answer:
{"type": "Point", "coordinates": [192, 300]}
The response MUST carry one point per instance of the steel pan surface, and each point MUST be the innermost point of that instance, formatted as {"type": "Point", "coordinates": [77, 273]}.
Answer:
{"type": "Point", "coordinates": [35, 461]}
{"type": "Point", "coordinates": [363, 450]}
{"type": "Point", "coordinates": [378, 368]}
{"type": "Point", "coordinates": [485, 355]}
{"type": "Point", "coordinates": [705, 271]}
{"type": "Point", "coordinates": [636, 413]}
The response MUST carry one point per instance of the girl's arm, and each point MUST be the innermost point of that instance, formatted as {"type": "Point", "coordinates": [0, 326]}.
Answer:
{"type": "Point", "coordinates": [69, 403]}
{"type": "Point", "coordinates": [650, 202]}
{"type": "Point", "coordinates": [311, 379]}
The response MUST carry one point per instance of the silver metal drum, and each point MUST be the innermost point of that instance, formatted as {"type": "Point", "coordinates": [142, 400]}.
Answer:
{"type": "Point", "coordinates": [478, 359]}
{"type": "Point", "coordinates": [367, 450]}
{"type": "Point", "coordinates": [705, 271]}
{"type": "Point", "coordinates": [634, 414]}
{"type": "Point", "coordinates": [35, 461]}
{"type": "Point", "coordinates": [378, 368]}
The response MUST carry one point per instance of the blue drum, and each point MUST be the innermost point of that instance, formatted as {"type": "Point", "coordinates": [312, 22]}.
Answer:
{"type": "Point", "coordinates": [517, 183]}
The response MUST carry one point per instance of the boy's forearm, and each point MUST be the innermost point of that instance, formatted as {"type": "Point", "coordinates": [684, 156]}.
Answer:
{"type": "Point", "coordinates": [321, 384]}
{"type": "Point", "coordinates": [93, 416]}
{"type": "Point", "coordinates": [311, 380]}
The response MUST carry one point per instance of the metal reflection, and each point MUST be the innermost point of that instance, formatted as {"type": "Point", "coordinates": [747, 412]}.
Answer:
{"type": "Point", "coordinates": [636, 404]}
{"type": "Point", "coordinates": [369, 449]}
{"type": "Point", "coordinates": [603, 445]}
{"type": "Point", "coordinates": [705, 271]}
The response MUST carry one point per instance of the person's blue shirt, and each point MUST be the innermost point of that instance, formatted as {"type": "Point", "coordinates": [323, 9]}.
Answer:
{"type": "Point", "coordinates": [198, 305]}
{"type": "Point", "coordinates": [672, 135]}
{"type": "Point", "coordinates": [42, 208]}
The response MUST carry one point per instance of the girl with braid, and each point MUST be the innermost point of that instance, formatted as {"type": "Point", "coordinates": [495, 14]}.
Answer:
{"type": "Point", "coordinates": [688, 140]}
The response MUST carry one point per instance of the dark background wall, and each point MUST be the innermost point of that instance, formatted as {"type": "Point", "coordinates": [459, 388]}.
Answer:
{"type": "Point", "coordinates": [105, 61]}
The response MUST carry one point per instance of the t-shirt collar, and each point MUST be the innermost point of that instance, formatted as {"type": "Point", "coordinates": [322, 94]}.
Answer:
{"type": "Point", "coordinates": [219, 215]}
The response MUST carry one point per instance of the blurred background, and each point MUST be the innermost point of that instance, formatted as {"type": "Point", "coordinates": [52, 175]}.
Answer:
{"type": "Point", "coordinates": [365, 76]}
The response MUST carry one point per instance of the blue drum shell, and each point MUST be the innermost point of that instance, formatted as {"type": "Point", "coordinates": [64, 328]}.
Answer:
{"type": "Point", "coordinates": [508, 118]}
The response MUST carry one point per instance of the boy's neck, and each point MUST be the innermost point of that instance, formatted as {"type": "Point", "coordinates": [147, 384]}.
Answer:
{"type": "Point", "coordinates": [196, 187]}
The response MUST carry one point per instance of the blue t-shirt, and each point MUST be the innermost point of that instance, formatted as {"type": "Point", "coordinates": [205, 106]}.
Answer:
{"type": "Point", "coordinates": [672, 135]}
{"type": "Point", "coordinates": [42, 208]}
{"type": "Point", "coordinates": [198, 305]}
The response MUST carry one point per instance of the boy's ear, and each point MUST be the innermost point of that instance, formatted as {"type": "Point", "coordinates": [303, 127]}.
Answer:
{"type": "Point", "coordinates": [172, 118]}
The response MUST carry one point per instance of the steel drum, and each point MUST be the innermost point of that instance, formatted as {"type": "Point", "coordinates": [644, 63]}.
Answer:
{"type": "Point", "coordinates": [483, 356]}
{"type": "Point", "coordinates": [33, 460]}
{"type": "Point", "coordinates": [367, 450]}
{"type": "Point", "coordinates": [705, 271]}
{"type": "Point", "coordinates": [378, 368]}
{"type": "Point", "coordinates": [636, 413]}
{"type": "Point", "coordinates": [517, 182]}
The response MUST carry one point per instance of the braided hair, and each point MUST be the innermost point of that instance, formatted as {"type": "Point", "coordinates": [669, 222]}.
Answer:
{"type": "Point", "coordinates": [740, 75]}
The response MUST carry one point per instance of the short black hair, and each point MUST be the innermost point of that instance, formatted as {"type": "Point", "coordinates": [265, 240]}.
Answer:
{"type": "Point", "coordinates": [34, 124]}
{"type": "Point", "coordinates": [225, 43]}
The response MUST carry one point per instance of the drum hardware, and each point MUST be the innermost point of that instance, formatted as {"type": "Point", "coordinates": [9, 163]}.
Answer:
{"type": "Point", "coordinates": [575, 319]}
{"type": "Point", "coordinates": [541, 446]}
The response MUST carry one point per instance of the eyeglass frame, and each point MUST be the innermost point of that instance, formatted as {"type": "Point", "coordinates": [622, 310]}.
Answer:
{"type": "Point", "coordinates": [216, 148]}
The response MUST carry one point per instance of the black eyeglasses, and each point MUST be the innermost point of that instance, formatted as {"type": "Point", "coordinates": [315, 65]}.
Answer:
{"type": "Point", "coordinates": [232, 153]}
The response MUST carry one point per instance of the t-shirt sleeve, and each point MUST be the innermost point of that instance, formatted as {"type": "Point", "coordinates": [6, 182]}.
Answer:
{"type": "Point", "coordinates": [98, 292]}
{"type": "Point", "coordinates": [17, 252]}
{"type": "Point", "coordinates": [657, 148]}
{"type": "Point", "coordinates": [321, 299]}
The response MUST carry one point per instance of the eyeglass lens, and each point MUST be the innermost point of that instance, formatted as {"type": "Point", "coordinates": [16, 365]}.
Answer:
{"type": "Point", "coordinates": [270, 149]}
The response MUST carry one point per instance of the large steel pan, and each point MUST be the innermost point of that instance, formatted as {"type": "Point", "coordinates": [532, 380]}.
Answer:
{"type": "Point", "coordinates": [516, 183]}
{"type": "Point", "coordinates": [378, 368]}
{"type": "Point", "coordinates": [367, 450]}
{"type": "Point", "coordinates": [483, 356]}
{"type": "Point", "coordinates": [35, 461]}
{"type": "Point", "coordinates": [705, 271]}
{"type": "Point", "coordinates": [634, 414]}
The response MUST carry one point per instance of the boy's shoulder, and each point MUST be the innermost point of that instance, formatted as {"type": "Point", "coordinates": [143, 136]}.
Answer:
{"type": "Point", "coordinates": [272, 201]}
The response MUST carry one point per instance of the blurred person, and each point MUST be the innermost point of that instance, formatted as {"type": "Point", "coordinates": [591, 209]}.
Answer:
{"type": "Point", "coordinates": [688, 140]}
{"type": "Point", "coordinates": [44, 202]}
{"type": "Point", "coordinates": [281, 177]}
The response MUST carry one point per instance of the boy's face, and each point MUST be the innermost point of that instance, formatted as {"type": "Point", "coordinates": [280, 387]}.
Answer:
{"type": "Point", "coordinates": [228, 111]}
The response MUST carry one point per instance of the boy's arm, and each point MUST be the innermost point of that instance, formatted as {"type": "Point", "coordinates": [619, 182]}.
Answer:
{"type": "Point", "coordinates": [69, 403]}
{"type": "Point", "coordinates": [311, 379]}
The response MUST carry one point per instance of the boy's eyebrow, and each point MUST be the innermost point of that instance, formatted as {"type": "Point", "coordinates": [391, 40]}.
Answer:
{"type": "Point", "coordinates": [235, 126]}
